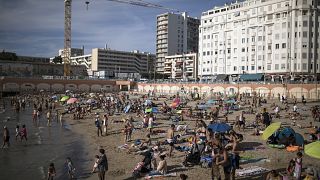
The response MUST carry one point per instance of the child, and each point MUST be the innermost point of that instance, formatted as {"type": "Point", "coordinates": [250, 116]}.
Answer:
{"type": "Point", "coordinates": [51, 171]}
{"type": "Point", "coordinates": [17, 131]}
{"type": "Point", "coordinates": [95, 166]}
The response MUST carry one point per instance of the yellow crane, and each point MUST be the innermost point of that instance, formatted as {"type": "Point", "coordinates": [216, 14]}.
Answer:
{"type": "Point", "coordinates": [67, 26]}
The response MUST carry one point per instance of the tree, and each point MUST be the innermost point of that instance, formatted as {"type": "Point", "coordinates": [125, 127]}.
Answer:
{"type": "Point", "coordinates": [57, 60]}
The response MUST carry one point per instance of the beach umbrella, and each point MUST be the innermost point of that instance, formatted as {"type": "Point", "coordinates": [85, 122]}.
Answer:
{"type": "Point", "coordinates": [153, 110]}
{"type": "Point", "coordinates": [270, 130]}
{"type": "Point", "coordinates": [219, 127]}
{"type": "Point", "coordinates": [64, 98]}
{"type": "Point", "coordinates": [72, 100]}
{"type": "Point", "coordinates": [313, 149]}
{"type": "Point", "coordinates": [286, 132]}
{"type": "Point", "coordinates": [299, 139]}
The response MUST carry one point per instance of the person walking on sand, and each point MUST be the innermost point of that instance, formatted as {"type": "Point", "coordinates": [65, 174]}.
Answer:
{"type": "Point", "coordinates": [23, 133]}
{"type": "Point", "coordinates": [51, 172]}
{"type": "Point", "coordinates": [95, 165]}
{"type": "Point", "coordinates": [6, 137]}
{"type": "Point", "coordinates": [61, 119]}
{"type": "Point", "coordinates": [70, 168]}
{"type": "Point", "coordinates": [102, 165]}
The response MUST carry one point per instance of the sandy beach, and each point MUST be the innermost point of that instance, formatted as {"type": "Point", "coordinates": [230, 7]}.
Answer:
{"type": "Point", "coordinates": [78, 140]}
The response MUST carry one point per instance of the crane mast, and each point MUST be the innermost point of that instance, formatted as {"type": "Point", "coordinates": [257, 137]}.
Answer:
{"type": "Point", "coordinates": [67, 37]}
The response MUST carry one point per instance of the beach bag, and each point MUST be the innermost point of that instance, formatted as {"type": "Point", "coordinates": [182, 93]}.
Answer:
{"type": "Point", "coordinates": [206, 161]}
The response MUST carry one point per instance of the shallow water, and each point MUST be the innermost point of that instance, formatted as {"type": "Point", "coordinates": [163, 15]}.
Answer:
{"type": "Point", "coordinates": [30, 160]}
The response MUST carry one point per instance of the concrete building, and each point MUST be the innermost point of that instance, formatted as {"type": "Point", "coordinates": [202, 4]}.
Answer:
{"type": "Point", "coordinates": [272, 37]}
{"type": "Point", "coordinates": [74, 52]}
{"type": "Point", "coordinates": [183, 67]}
{"type": "Point", "coordinates": [176, 34]}
{"type": "Point", "coordinates": [82, 60]}
{"type": "Point", "coordinates": [112, 61]}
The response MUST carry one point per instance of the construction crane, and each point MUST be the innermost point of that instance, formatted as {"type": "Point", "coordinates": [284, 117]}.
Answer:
{"type": "Point", "coordinates": [67, 26]}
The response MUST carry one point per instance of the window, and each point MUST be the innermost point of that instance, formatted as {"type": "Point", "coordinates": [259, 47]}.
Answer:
{"type": "Point", "coordinates": [243, 40]}
{"type": "Point", "coordinates": [208, 53]}
{"type": "Point", "coordinates": [269, 46]}
{"type": "Point", "coordinates": [284, 25]}
{"type": "Point", "coordinates": [305, 23]}
{"type": "Point", "coordinates": [304, 66]}
{"type": "Point", "coordinates": [304, 46]}
{"type": "Point", "coordinates": [277, 46]}
{"type": "Point", "coordinates": [278, 15]}
{"type": "Point", "coordinates": [242, 68]}
{"type": "Point", "coordinates": [283, 45]}
{"type": "Point", "coordinates": [269, 17]}
{"type": "Point", "coordinates": [276, 66]}
{"type": "Point", "coordinates": [277, 36]}
{"type": "Point", "coordinates": [304, 34]}
{"type": "Point", "coordinates": [283, 66]}
{"type": "Point", "coordinates": [208, 36]}
{"type": "Point", "coordinates": [229, 50]}
{"type": "Point", "coordinates": [259, 38]}
{"type": "Point", "coordinates": [304, 55]}
{"type": "Point", "coordinates": [268, 67]}
{"type": "Point", "coordinates": [234, 68]}
{"type": "Point", "coordinates": [243, 50]}
{"type": "Point", "coordinates": [204, 53]}
{"type": "Point", "coordinates": [276, 56]}
{"type": "Point", "coordinates": [253, 38]}
{"type": "Point", "coordinates": [252, 68]}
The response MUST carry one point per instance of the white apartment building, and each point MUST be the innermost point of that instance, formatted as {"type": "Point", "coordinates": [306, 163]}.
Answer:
{"type": "Point", "coordinates": [275, 37]}
{"type": "Point", "coordinates": [113, 61]}
{"type": "Point", "coordinates": [176, 34]}
{"type": "Point", "coordinates": [183, 67]}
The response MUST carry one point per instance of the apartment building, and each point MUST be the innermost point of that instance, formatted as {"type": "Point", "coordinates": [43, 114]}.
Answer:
{"type": "Point", "coordinates": [271, 37]}
{"type": "Point", "coordinates": [176, 34]}
{"type": "Point", "coordinates": [182, 67]}
{"type": "Point", "coordinates": [121, 61]}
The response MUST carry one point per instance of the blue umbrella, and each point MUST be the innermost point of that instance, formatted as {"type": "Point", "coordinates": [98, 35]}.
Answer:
{"type": "Point", "coordinates": [286, 132]}
{"type": "Point", "coordinates": [219, 127]}
{"type": "Point", "coordinates": [299, 139]}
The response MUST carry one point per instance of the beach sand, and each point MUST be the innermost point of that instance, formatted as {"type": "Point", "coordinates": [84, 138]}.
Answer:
{"type": "Point", "coordinates": [79, 141]}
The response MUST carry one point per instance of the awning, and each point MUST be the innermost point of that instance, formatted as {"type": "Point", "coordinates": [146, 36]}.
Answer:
{"type": "Point", "coordinates": [251, 77]}
{"type": "Point", "coordinates": [221, 77]}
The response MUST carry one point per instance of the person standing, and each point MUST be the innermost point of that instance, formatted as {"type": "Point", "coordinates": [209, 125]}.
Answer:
{"type": "Point", "coordinates": [51, 172]}
{"type": "Point", "coordinates": [170, 138]}
{"type": "Point", "coordinates": [6, 137]}
{"type": "Point", "coordinates": [98, 125]}
{"type": "Point", "coordinates": [298, 166]}
{"type": "Point", "coordinates": [17, 132]}
{"type": "Point", "coordinates": [102, 165]}
{"type": "Point", "coordinates": [70, 168]}
{"type": "Point", "coordinates": [105, 124]}
{"type": "Point", "coordinates": [49, 118]}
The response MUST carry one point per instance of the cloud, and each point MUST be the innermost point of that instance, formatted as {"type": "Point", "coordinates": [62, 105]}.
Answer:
{"type": "Point", "coordinates": [33, 27]}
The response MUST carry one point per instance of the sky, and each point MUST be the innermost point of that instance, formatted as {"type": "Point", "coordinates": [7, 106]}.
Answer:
{"type": "Point", "coordinates": [36, 27]}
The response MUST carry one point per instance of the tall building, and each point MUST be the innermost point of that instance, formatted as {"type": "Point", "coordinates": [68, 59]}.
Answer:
{"type": "Point", "coordinates": [272, 37]}
{"type": "Point", "coordinates": [176, 34]}
{"type": "Point", "coordinates": [121, 61]}
{"type": "Point", "coordinates": [183, 67]}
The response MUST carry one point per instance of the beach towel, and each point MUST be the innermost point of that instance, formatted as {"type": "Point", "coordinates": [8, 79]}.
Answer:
{"type": "Point", "coordinates": [251, 171]}
{"type": "Point", "coordinates": [161, 176]}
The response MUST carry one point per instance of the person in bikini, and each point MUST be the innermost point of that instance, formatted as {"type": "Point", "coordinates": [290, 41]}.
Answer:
{"type": "Point", "coordinates": [170, 138]}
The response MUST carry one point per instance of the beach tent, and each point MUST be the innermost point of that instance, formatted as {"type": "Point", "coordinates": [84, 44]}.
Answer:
{"type": "Point", "coordinates": [312, 149]}
{"type": "Point", "coordinates": [64, 98]}
{"type": "Point", "coordinates": [219, 127]}
{"type": "Point", "coordinates": [270, 130]}
{"type": "Point", "coordinates": [299, 139]}
{"type": "Point", "coordinates": [72, 100]}
{"type": "Point", "coordinates": [286, 132]}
